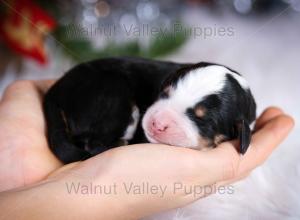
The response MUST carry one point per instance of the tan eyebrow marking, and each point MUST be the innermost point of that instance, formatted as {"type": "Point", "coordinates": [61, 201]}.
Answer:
{"type": "Point", "coordinates": [200, 111]}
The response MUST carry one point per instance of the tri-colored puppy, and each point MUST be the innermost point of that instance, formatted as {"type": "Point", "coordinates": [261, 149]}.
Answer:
{"type": "Point", "coordinates": [109, 102]}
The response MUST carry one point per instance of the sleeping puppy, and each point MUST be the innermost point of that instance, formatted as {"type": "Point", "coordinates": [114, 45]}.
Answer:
{"type": "Point", "coordinates": [99, 105]}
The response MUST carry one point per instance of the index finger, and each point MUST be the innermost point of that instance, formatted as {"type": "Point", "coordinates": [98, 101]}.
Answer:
{"type": "Point", "coordinates": [267, 115]}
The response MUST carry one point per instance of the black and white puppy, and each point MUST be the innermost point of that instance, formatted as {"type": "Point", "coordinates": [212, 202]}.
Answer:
{"type": "Point", "coordinates": [99, 105]}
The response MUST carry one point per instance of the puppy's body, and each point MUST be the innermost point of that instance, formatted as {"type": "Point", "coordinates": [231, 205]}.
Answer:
{"type": "Point", "coordinates": [99, 104]}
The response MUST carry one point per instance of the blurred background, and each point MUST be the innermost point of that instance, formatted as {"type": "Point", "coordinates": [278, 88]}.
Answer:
{"type": "Point", "coordinates": [258, 38]}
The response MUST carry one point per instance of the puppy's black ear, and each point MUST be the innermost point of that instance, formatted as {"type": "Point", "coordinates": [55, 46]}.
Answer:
{"type": "Point", "coordinates": [244, 135]}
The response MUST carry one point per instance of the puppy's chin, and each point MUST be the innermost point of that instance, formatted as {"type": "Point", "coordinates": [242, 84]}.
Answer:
{"type": "Point", "coordinates": [180, 141]}
{"type": "Point", "coordinates": [169, 141]}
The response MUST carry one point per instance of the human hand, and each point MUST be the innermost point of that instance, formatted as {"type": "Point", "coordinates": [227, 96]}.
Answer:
{"type": "Point", "coordinates": [163, 166]}
{"type": "Point", "coordinates": [26, 158]}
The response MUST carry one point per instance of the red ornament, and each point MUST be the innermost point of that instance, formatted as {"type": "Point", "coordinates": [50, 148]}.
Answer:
{"type": "Point", "coordinates": [24, 28]}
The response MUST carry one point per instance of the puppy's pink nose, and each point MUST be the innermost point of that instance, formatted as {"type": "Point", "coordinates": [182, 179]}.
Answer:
{"type": "Point", "coordinates": [159, 126]}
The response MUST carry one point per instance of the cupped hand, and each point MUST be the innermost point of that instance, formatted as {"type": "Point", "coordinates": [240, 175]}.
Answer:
{"type": "Point", "coordinates": [175, 169]}
{"type": "Point", "coordinates": [26, 159]}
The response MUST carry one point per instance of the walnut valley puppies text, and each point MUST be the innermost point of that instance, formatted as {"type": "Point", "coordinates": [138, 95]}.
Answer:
{"type": "Point", "coordinates": [145, 188]}
{"type": "Point", "coordinates": [145, 30]}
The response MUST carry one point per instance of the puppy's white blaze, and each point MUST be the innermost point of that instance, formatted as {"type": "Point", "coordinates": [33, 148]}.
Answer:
{"type": "Point", "coordinates": [128, 134]}
{"type": "Point", "coordinates": [198, 83]}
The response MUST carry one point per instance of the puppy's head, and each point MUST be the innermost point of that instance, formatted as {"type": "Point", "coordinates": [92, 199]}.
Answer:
{"type": "Point", "coordinates": [200, 106]}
